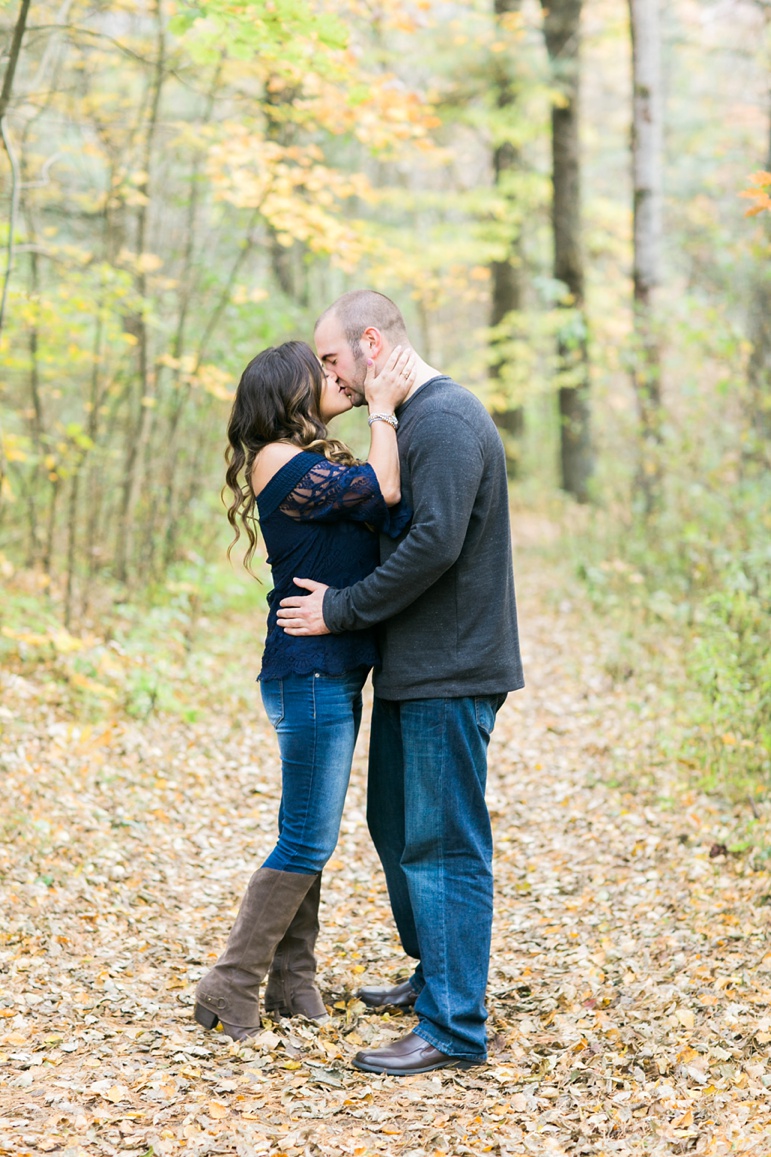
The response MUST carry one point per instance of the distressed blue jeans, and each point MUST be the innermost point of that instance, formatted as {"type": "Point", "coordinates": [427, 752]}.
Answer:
{"type": "Point", "coordinates": [317, 719]}
{"type": "Point", "coordinates": [429, 821]}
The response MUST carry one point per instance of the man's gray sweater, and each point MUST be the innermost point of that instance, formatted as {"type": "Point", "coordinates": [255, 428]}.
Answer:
{"type": "Point", "coordinates": [444, 591]}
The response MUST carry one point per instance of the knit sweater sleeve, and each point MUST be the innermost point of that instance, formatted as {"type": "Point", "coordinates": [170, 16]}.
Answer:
{"type": "Point", "coordinates": [445, 462]}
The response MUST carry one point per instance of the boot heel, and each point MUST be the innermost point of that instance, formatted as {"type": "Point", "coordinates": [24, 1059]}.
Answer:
{"type": "Point", "coordinates": [204, 1017]}
{"type": "Point", "coordinates": [274, 1010]}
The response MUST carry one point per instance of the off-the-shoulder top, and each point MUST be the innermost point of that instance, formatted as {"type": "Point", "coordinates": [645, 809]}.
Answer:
{"type": "Point", "coordinates": [316, 518]}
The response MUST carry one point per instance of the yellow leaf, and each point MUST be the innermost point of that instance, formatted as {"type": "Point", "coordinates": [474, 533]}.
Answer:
{"type": "Point", "coordinates": [64, 642]}
{"type": "Point", "coordinates": [91, 685]}
{"type": "Point", "coordinates": [217, 1110]}
{"type": "Point", "coordinates": [11, 448]}
{"type": "Point", "coordinates": [116, 1093]}
{"type": "Point", "coordinates": [685, 1016]}
{"type": "Point", "coordinates": [149, 262]}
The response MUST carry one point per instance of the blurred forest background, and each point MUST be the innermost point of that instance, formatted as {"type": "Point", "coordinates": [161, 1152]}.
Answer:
{"type": "Point", "coordinates": [570, 202]}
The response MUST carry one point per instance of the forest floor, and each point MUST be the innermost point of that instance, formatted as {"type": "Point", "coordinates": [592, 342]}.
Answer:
{"type": "Point", "coordinates": [630, 985]}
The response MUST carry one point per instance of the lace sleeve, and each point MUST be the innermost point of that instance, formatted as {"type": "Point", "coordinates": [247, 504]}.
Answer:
{"type": "Point", "coordinates": [330, 491]}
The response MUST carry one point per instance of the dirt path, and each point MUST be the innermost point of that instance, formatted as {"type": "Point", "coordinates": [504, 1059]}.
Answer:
{"type": "Point", "coordinates": [631, 975]}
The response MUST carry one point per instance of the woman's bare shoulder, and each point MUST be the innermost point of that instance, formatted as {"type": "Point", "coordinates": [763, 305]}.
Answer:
{"type": "Point", "coordinates": [269, 461]}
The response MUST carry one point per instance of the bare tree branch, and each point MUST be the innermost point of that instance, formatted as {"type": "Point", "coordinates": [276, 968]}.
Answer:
{"type": "Point", "coordinates": [13, 59]}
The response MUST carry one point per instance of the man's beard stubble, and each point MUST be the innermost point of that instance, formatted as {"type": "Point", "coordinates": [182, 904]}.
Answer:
{"type": "Point", "coordinates": [357, 386]}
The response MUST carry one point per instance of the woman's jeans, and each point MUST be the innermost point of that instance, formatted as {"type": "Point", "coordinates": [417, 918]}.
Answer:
{"type": "Point", "coordinates": [428, 818]}
{"type": "Point", "coordinates": [317, 719]}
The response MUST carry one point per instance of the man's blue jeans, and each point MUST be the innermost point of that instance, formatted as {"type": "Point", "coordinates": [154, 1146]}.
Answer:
{"type": "Point", "coordinates": [428, 818]}
{"type": "Point", "coordinates": [317, 719]}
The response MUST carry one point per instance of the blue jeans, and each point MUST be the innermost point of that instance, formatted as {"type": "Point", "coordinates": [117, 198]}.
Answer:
{"type": "Point", "coordinates": [317, 719]}
{"type": "Point", "coordinates": [428, 818]}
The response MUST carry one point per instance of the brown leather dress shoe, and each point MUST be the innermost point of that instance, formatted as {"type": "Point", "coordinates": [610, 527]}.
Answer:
{"type": "Point", "coordinates": [396, 996]}
{"type": "Point", "coordinates": [407, 1057]}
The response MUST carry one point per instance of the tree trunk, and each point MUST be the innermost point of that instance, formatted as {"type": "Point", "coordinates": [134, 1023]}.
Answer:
{"type": "Point", "coordinates": [287, 261]}
{"type": "Point", "coordinates": [142, 420]}
{"type": "Point", "coordinates": [5, 100]}
{"type": "Point", "coordinates": [39, 547]}
{"type": "Point", "coordinates": [506, 273]}
{"type": "Point", "coordinates": [72, 534]}
{"type": "Point", "coordinates": [165, 508]}
{"type": "Point", "coordinates": [247, 245]}
{"type": "Point", "coordinates": [759, 366]}
{"type": "Point", "coordinates": [646, 174]}
{"type": "Point", "coordinates": [13, 57]}
{"type": "Point", "coordinates": [562, 30]}
{"type": "Point", "coordinates": [93, 491]}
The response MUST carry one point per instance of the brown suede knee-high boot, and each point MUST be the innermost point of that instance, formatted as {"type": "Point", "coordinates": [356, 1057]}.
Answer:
{"type": "Point", "coordinates": [291, 988]}
{"type": "Point", "coordinates": [230, 992]}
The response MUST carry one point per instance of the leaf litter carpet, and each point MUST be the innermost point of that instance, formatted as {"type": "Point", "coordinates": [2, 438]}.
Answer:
{"type": "Point", "coordinates": [631, 969]}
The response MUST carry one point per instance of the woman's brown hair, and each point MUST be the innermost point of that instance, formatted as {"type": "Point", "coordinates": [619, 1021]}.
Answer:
{"type": "Point", "coordinates": [277, 400]}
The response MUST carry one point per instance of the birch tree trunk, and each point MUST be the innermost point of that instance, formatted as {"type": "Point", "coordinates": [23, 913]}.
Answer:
{"type": "Point", "coordinates": [562, 31]}
{"type": "Point", "coordinates": [507, 289]}
{"type": "Point", "coordinates": [646, 175]}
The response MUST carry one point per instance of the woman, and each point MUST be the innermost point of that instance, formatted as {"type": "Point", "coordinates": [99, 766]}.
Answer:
{"type": "Point", "coordinates": [316, 508]}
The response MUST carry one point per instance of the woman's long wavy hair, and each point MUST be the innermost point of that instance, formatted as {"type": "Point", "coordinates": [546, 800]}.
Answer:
{"type": "Point", "coordinates": [278, 400]}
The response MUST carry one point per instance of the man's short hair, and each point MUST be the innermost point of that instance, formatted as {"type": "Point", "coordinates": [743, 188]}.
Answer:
{"type": "Point", "coordinates": [361, 308]}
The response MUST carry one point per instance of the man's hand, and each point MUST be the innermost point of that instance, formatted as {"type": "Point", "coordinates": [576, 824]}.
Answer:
{"type": "Point", "coordinates": [304, 614]}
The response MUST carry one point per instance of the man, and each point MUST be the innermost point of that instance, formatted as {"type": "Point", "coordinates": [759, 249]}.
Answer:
{"type": "Point", "coordinates": [450, 652]}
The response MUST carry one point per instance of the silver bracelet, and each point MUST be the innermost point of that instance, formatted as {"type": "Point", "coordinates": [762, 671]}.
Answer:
{"type": "Point", "coordinates": [390, 418]}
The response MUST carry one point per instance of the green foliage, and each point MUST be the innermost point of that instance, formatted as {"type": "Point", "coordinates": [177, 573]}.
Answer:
{"type": "Point", "coordinates": [283, 33]}
{"type": "Point", "coordinates": [172, 653]}
{"type": "Point", "coordinates": [731, 664]}
{"type": "Point", "coordinates": [691, 586]}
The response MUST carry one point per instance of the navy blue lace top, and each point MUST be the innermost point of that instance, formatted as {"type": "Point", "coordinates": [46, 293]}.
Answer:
{"type": "Point", "coordinates": [312, 516]}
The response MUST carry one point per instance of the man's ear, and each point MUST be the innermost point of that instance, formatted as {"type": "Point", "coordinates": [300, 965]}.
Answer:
{"type": "Point", "coordinates": [372, 341]}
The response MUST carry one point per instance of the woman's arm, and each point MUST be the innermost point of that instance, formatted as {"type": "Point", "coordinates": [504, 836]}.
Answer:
{"type": "Point", "coordinates": [384, 392]}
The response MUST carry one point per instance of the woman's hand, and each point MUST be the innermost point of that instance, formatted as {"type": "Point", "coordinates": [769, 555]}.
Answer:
{"type": "Point", "coordinates": [388, 389]}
